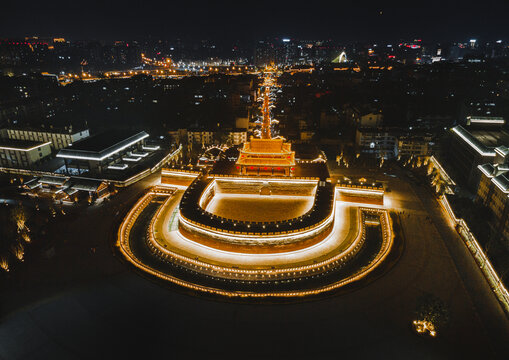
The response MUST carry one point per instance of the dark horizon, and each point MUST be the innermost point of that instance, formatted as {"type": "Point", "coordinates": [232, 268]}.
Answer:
{"type": "Point", "coordinates": [340, 21]}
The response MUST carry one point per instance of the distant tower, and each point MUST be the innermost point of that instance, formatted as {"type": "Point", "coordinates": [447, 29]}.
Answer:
{"type": "Point", "coordinates": [264, 53]}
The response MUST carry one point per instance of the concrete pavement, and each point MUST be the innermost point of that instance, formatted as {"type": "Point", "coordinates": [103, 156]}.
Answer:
{"type": "Point", "coordinates": [82, 305]}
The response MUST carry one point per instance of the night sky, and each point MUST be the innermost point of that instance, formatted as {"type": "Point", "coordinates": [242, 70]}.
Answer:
{"type": "Point", "coordinates": [339, 20]}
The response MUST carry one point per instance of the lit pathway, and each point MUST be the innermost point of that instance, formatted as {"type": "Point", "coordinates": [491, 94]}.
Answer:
{"type": "Point", "coordinates": [343, 233]}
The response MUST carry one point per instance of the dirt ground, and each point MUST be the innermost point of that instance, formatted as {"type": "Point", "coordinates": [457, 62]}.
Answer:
{"type": "Point", "coordinates": [259, 207]}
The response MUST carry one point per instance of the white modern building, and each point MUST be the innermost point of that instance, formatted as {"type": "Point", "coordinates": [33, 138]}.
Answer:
{"type": "Point", "coordinates": [112, 149]}
{"type": "Point", "coordinates": [22, 153]}
{"type": "Point", "coordinates": [59, 138]}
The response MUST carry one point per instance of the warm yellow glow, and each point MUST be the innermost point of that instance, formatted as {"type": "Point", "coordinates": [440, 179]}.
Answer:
{"type": "Point", "coordinates": [18, 251]}
{"type": "Point", "coordinates": [198, 265]}
{"type": "Point", "coordinates": [423, 327]}
{"type": "Point", "coordinates": [480, 257]}
{"type": "Point", "coordinates": [4, 264]}
{"type": "Point", "coordinates": [26, 237]}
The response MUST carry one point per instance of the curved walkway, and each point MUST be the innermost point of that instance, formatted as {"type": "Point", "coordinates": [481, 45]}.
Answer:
{"type": "Point", "coordinates": [146, 208]}
{"type": "Point", "coordinates": [343, 234]}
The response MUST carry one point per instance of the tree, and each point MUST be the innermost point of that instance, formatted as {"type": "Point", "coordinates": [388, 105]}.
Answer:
{"type": "Point", "coordinates": [432, 309]}
{"type": "Point", "coordinates": [18, 216]}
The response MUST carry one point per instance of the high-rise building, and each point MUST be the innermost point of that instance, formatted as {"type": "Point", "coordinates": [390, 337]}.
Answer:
{"type": "Point", "coordinates": [264, 53]}
{"type": "Point", "coordinates": [286, 52]}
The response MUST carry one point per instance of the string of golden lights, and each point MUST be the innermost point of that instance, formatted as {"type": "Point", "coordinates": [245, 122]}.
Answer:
{"type": "Point", "coordinates": [132, 216]}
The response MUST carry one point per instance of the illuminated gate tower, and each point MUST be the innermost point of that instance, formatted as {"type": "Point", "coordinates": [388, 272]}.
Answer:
{"type": "Point", "coordinates": [266, 156]}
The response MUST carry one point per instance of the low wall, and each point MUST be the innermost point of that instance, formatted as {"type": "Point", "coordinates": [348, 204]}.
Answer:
{"type": "Point", "coordinates": [361, 194]}
{"type": "Point", "coordinates": [481, 259]}
{"type": "Point", "coordinates": [255, 245]}
{"type": "Point", "coordinates": [272, 187]}
{"type": "Point", "coordinates": [194, 217]}
{"type": "Point", "coordinates": [176, 179]}
{"type": "Point", "coordinates": [372, 200]}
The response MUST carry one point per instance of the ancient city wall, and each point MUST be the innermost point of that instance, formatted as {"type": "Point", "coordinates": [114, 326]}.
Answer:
{"type": "Point", "coordinates": [265, 187]}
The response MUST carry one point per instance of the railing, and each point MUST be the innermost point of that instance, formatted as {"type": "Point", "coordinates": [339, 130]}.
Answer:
{"type": "Point", "coordinates": [339, 260]}
{"type": "Point", "coordinates": [183, 171]}
{"type": "Point", "coordinates": [356, 186]}
{"type": "Point", "coordinates": [192, 213]}
{"type": "Point", "coordinates": [29, 172]}
{"type": "Point", "coordinates": [442, 171]}
{"type": "Point", "coordinates": [258, 177]}
{"type": "Point", "coordinates": [146, 172]}
{"type": "Point", "coordinates": [481, 259]}
{"type": "Point", "coordinates": [131, 217]}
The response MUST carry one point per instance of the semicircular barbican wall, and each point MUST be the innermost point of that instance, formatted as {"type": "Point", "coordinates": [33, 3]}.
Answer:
{"type": "Point", "coordinates": [194, 219]}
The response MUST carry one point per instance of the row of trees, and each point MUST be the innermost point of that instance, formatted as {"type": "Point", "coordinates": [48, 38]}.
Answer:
{"type": "Point", "coordinates": [14, 235]}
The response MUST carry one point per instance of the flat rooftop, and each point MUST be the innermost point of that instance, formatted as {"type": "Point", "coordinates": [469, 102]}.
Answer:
{"type": "Point", "coordinates": [483, 143]}
{"type": "Point", "coordinates": [85, 184]}
{"type": "Point", "coordinates": [100, 146]}
{"type": "Point", "coordinates": [491, 138]}
{"type": "Point", "coordinates": [254, 207]}
{"type": "Point", "coordinates": [53, 130]}
{"type": "Point", "coordinates": [315, 170]}
{"type": "Point", "coordinates": [265, 145]}
{"type": "Point", "coordinates": [306, 151]}
{"type": "Point", "coordinates": [23, 145]}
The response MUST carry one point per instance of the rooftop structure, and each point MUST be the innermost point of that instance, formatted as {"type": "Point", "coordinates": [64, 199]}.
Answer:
{"type": "Point", "coordinates": [471, 148]}
{"type": "Point", "coordinates": [266, 156]}
{"type": "Point", "coordinates": [100, 151]}
{"type": "Point", "coordinates": [21, 145]}
{"type": "Point", "coordinates": [493, 190]}
{"type": "Point", "coordinates": [64, 188]}
{"type": "Point", "coordinates": [22, 153]}
{"type": "Point", "coordinates": [101, 146]}
{"type": "Point", "coordinates": [485, 120]}
{"type": "Point", "coordinates": [480, 143]}
{"type": "Point", "coordinates": [59, 138]}
{"type": "Point", "coordinates": [307, 153]}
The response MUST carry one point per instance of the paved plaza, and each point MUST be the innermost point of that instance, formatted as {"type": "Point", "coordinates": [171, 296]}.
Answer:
{"type": "Point", "coordinates": [82, 304]}
{"type": "Point", "coordinates": [253, 207]}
